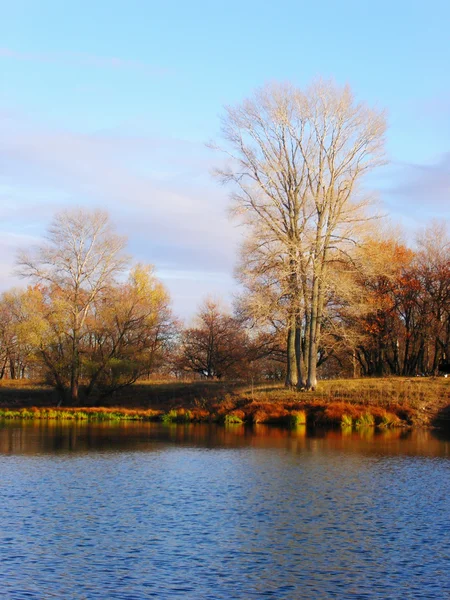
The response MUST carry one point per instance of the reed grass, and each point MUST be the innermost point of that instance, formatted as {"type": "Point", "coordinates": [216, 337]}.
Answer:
{"type": "Point", "coordinates": [365, 420]}
{"type": "Point", "coordinates": [346, 421]}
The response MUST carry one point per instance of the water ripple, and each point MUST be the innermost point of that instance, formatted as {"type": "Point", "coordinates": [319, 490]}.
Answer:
{"type": "Point", "coordinates": [208, 520]}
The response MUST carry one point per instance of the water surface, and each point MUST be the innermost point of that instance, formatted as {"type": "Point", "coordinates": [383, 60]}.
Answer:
{"type": "Point", "coordinates": [137, 511]}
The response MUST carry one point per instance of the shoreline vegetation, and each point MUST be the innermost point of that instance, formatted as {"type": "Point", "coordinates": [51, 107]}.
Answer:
{"type": "Point", "coordinates": [348, 403]}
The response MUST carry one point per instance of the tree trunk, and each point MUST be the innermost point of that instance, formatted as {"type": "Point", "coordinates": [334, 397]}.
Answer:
{"type": "Point", "coordinates": [311, 382]}
{"type": "Point", "coordinates": [74, 391]}
{"type": "Point", "coordinates": [12, 369]}
{"type": "Point", "coordinates": [2, 374]}
{"type": "Point", "coordinates": [291, 373]}
{"type": "Point", "coordinates": [406, 357]}
{"type": "Point", "coordinates": [75, 372]}
{"type": "Point", "coordinates": [301, 383]}
{"type": "Point", "coordinates": [436, 356]}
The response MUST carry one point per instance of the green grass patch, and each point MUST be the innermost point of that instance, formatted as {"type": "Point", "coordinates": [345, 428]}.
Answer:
{"type": "Point", "coordinates": [232, 419]}
{"type": "Point", "coordinates": [179, 415]}
{"type": "Point", "coordinates": [365, 420]}
{"type": "Point", "coordinates": [347, 421]}
{"type": "Point", "coordinates": [297, 418]}
{"type": "Point", "coordinates": [79, 414]}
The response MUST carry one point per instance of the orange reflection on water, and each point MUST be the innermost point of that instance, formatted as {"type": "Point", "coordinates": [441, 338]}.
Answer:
{"type": "Point", "coordinates": [37, 437]}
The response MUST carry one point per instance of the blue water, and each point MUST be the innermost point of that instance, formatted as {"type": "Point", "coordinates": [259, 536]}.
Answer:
{"type": "Point", "coordinates": [148, 511]}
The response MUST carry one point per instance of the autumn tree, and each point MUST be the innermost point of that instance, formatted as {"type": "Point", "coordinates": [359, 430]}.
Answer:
{"type": "Point", "coordinates": [433, 275]}
{"type": "Point", "coordinates": [215, 346]}
{"type": "Point", "coordinates": [129, 332]}
{"type": "Point", "coordinates": [296, 164]}
{"type": "Point", "coordinates": [80, 259]}
{"type": "Point", "coordinates": [18, 321]}
{"type": "Point", "coordinates": [390, 327]}
{"type": "Point", "coordinates": [371, 316]}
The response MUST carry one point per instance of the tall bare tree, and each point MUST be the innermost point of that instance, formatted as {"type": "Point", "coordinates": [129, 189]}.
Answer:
{"type": "Point", "coordinates": [81, 257]}
{"type": "Point", "coordinates": [296, 162]}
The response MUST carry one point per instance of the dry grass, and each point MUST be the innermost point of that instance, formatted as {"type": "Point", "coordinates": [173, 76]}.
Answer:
{"type": "Point", "coordinates": [384, 402]}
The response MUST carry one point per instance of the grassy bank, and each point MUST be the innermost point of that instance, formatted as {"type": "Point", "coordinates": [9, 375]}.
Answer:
{"type": "Point", "coordinates": [353, 403]}
{"type": "Point", "coordinates": [286, 414]}
{"type": "Point", "coordinates": [80, 414]}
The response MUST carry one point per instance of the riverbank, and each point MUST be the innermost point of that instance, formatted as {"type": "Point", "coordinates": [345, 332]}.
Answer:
{"type": "Point", "coordinates": [353, 403]}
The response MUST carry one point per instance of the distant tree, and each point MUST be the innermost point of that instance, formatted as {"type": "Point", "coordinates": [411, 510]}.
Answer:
{"type": "Point", "coordinates": [216, 346]}
{"type": "Point", "coordinates": [433, 273]}
{"type": "Point", "coordinates": [81, 258]}
{"type": "Point", "coordinates": [18, 320]}
{"type": "Point", "coordinates": [389, 323]}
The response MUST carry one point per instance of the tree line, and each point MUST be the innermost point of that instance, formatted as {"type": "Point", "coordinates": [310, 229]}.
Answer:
{"type": "Point", "coordinates": [323, 286]}
{"type": "Point", "coordinates": [386, 311]}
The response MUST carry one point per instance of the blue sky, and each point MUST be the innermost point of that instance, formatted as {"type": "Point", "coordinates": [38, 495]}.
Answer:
{"type": "Point", "coordinates": [109, 104]}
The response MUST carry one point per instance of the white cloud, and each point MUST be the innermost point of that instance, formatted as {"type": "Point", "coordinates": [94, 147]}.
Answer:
{"type": "Point", "coordinates": [422, 187]}
{"type": "Point", "coordinates": [157, 191]}
{"type": "Point", "coordinates": [83, 59]}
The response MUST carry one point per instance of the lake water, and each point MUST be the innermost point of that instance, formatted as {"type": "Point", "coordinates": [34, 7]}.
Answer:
{"type": "Point", "coordinates": [136, 511]}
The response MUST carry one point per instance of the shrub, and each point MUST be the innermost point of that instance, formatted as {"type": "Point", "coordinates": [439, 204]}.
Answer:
{"type": "Point", "coordinates": [180, 415]}
{"type": "Point", "coordinates": [296, 418]}
{"type": "Point", "coordinates": [183, 416]}
{"type": "Point", "coordinates": [365, 420]}
{"type": "Point", "coordinates": [389, 420]}
{"type": "Point", "coordinates": [267, 413]}
{"type": "Point", "coordinates": [346, 421]}
{"type": "Point", "coordinates": [169, 417]}
{"type": "Point", "coordinates": [233, 418]}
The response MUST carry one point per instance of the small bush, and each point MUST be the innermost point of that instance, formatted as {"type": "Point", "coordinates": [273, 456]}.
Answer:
{"type": "Point", "coordinates": [169, 417]}
{"type": "Point", "coordinates": [233, 418]}
{"type": "Point", "coordinates": [346, 421]}
{"type": "Point", "coordinates": [296, 418]}
{"type": "Point", "coordinates": [389, 420]}
{"type": "Point", "coordinates": [180, 415]}
{"type": "Point", "coordinates": [365, 420]}
{"type": "Point", "coordinates": [183, 416]}
{"type": "Point", "coordinates": [200, 415]}
{"type": "Point", "coordinates": [267, 413]}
